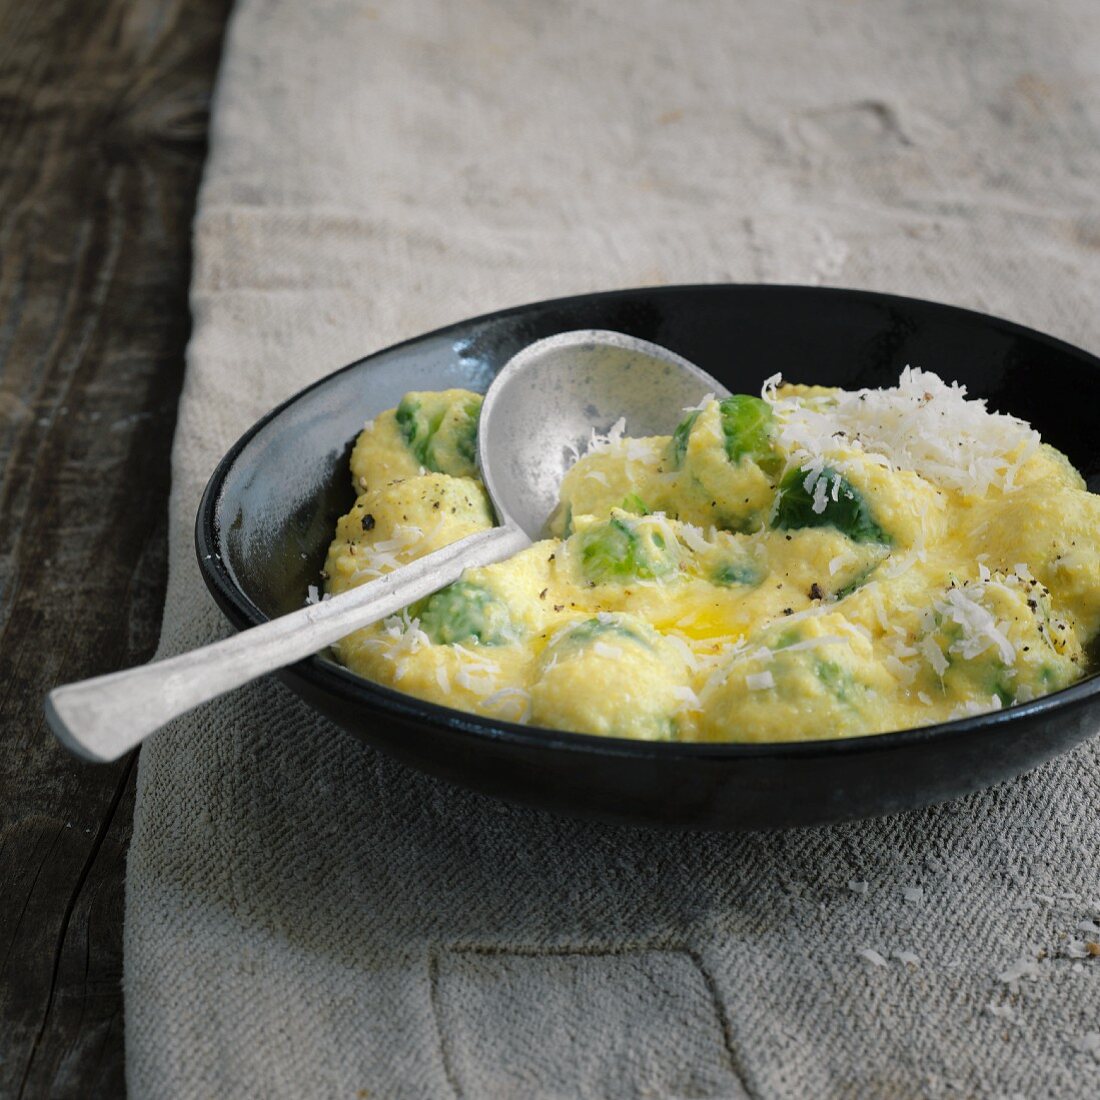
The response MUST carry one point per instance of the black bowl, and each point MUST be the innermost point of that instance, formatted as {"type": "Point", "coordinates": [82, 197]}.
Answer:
{"type": "Point", "coordinates": [270, 508]}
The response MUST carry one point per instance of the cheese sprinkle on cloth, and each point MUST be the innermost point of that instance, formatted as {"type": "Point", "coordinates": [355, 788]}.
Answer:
{"type": "Point", "coordinates": [812, 563]}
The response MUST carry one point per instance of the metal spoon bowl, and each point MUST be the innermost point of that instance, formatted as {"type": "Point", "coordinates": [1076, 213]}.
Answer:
{"type": "Point", "coordinates": [536, 416]}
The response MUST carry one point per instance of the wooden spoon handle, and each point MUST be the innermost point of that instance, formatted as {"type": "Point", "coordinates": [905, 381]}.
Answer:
{"type": "Point", "coordinates": [102, 718]}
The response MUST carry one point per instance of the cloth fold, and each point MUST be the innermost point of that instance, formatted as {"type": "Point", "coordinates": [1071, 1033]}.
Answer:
{"type": "Point", "coordinates": [307, 918]}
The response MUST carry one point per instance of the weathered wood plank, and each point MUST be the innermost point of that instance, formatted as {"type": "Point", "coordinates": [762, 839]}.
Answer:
{"type": "Point", "coordinates": [102, 138]}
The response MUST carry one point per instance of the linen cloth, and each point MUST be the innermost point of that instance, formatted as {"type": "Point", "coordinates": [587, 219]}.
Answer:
{"type": "Point", "coordinates": [308, 918]}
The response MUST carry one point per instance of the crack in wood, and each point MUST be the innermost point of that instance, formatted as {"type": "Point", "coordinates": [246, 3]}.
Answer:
{"type": "Point", "coordinates": [70, 906]}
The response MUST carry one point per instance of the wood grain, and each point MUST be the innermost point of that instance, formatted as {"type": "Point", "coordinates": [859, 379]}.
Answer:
{"type": "Point", "coordinates": [103, 111]}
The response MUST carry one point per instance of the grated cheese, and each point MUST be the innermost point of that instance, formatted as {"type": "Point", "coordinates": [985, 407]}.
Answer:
{"type": "Point", "coordinates": [692, 538]}
{"type": "Point", "coordinates": [686, 697]}
{"type": "Point", "coordinates": [314, 595]}
{"type": "Point", "coordinates": [901, 671]}
{"type": "Point", "coordinates": [923, 424]}
{"type": "Point", "coordinates": [1022, 968]}
{"type": "Point", "coordinates": [933, 655]}
{"type": "Point", "coordinates": [386, 554]}
{"type": "Point", "coordinates": [598, 442]}
{"type": "Point", "coordinates": [685, 651]}
{"type": "Point", "coordinates": [872, 956]}
{"type": "Point", "coordinates": [980, 630]}
{"type": "Point", "coordinates": [759, 681]}
{"type": "Point", "coordinates": [707, 399]}
{"type": "Point", "coordinates": [515, 698]}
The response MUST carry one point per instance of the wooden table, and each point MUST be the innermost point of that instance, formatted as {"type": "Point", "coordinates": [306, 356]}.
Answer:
{"type": "Point", "coordinates": [103, 114]}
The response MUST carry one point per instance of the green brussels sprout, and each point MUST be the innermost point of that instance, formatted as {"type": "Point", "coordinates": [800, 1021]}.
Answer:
{"type": "Point", "coordinates": [858, 581]}
{"type": "Point", "coordinates": [678, 446]}
{"type": "Point", "coordinates": [465, 612]}
{"type": "Point", "coordinates": [748, 424]}
{"type": "Point", "coordinates": [838, 681]}
{"type": "Point", "coordinates": [612, 675]}
{"type": "Point", "coordinates": [440, 430]}
{"type": "Point", "coordinates": [622, 549]}
{"type": "Point", "coordinates": [590, 629]}
{"type": "Point", "coordinates": [736, 572]}
{"type": "Point", "coordinates": [848, 513]}
{"type": "Point", "coordinates": [567, 526]}
{"type": "Point", "coordinates": [1004, 692]}
{"type": "Point", "coordinates": [1039, 651]}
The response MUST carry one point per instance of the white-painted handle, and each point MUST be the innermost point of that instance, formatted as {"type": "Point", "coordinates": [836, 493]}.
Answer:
{"type": "Point", "coordinates": [103, 718]}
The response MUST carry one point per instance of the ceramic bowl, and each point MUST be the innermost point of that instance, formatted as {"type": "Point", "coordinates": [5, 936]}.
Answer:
{"type": "Point", "coordinates": [270, 508]}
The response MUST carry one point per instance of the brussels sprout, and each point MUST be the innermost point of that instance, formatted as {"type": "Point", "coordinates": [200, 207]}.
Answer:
{"type": "Point", "coordinates": [1005, 693]}
{"type": "Point", "coordinates": [838, 681]}
{"type": "Point", "coordinates": [858, 581]}
{"type": "Point", "coordinates": [465, 612]}
{"type": "Point", "coordinates": [590, 629]}
{"type": "Point", "coordinates": [736, 572]}
{"type": "Point", "coordinates": [612, 675]}
{"type": "Point", "coordinates": [848, 513]}
{"type": "Point", "coordinates": [624, 549]}
{"type": "Point", "coordinates": [567, 525]}
{"type": "Point", "coordinates": [747, 423]}
{"type": "Point", "coordinates": [1026, 650]}
{"type": "Point", "coordinates": [783, 638]}
{"type": "Point", "coordinates": [678, 447]}
{"type": "Point", "coordinates": [800, 691]}
{"type": "Point", "coordinates": [441, 430]}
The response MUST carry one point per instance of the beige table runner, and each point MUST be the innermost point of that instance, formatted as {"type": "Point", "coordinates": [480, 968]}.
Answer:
{"type": "Point", "coordinates": [306, 918]}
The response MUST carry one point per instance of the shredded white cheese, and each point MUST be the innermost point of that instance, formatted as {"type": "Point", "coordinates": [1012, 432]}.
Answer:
{"type": "Point", "coordinates": [759, 681]}
{"type": "Point", "coordinates": [923, 424]}
{"type": "Point", "coordinates": [314, 595]}
{"type": "Point", "coordinates": [387, 554]}
{"type": "Point", "coordinates": [687, 698]}
{"type": "Point", "coordinates": [707, 399]}
{"type": "Point", "coordinates": [980, 630]}
{"type": "Point", "coordinates": [598, 442]}
{"type": "Point", "coordinates": [692, 538]}
{"type": "Point", "coordinates": [513, 699]}
{"type": "Point", "coordinates": [1022, 968]}
{"type": "Point", "coordinates": [872, 956]}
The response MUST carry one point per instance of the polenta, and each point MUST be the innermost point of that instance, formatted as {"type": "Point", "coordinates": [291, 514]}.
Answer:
{"type": "Point", "coordinates": [811, 563]}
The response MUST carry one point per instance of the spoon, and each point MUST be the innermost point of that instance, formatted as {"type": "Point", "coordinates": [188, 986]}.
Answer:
{"type": "Point", "coordinates": [536, 417]}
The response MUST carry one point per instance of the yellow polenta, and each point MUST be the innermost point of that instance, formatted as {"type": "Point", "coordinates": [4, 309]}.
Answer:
{"type": "Point", "coordinates": [812, 563]}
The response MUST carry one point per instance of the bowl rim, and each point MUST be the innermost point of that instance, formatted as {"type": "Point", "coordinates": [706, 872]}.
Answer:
{"type": "Point", "coordinates": [329, 677]}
